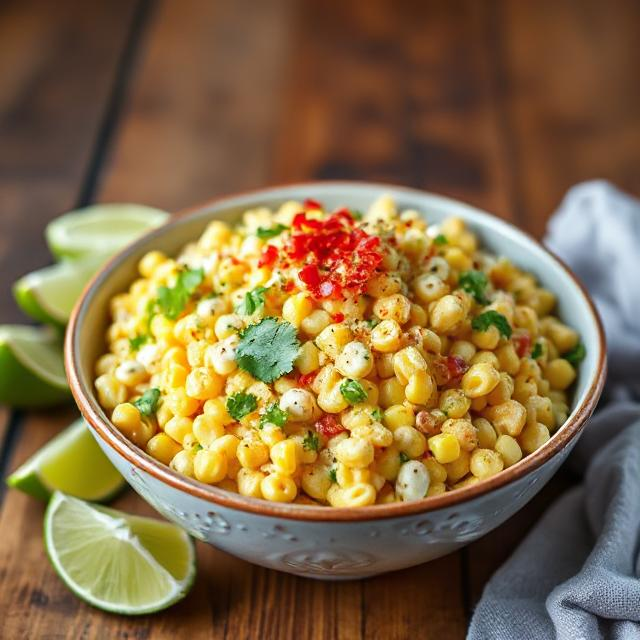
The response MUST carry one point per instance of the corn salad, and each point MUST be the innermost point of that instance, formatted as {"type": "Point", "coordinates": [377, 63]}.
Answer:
{"type": "Point", "coordinates": [336, 358]}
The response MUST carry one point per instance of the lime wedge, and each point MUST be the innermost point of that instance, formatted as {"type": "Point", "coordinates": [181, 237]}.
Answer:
{"type": "Point", "coordinates": [31, 367]}
{"type": "Point", "coordinates": [117, 562]}
{"type": "Point", "coordinates": [49, 294]}
{"type": "Point", "coordinates": [101, 227]}
{"type": "Point", "coordinates": [71, 462]}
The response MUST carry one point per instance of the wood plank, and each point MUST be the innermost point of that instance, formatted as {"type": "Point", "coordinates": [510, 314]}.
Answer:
{"type": "Point", "coordinates": [57, 67]}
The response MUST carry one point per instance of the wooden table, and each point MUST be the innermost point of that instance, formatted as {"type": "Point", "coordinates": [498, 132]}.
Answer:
{"type": "Point", "coordinates": [504, 104]}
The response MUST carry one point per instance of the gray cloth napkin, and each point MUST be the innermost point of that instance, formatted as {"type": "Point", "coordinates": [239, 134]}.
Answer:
{"type": "Point", "coordinates": [576, 576]}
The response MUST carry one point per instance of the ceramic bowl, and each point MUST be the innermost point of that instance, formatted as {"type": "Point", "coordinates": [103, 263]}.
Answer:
{"type": "Point", "coordinates": [324, 542]}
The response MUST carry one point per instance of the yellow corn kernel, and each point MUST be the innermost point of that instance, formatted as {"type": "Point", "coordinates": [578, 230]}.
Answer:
{"type": "Point", "coordinates": [417, 316]}
{"type": "Point", "coordinates": [508, 359]}
{"type": "Point", "coordinates": [533, 436]}
{"type": "Point", "coordinates": [110, 392]}
{"type": "Point", "coordinates": [180, 404]}
{"type": "Point", "coordinates": [395, 307]}
{"type": "Point", "coordinates": [188, 329]}
{"type": "Point", "coordinates": [391, 392]}
{"type": "Point", "coordinates": [383, 284]}
{"type": "Point", "coordinates": [296, 308]}
{"type": "Point", "coordinates": [388, 463]}
{"type": "Point", "coordinates": [406, 362]}
{"type": "Point", "coordinates": [410, 441]}
{"type": "Point", "coordinates": [316, 481]}
{"type": "Point", "coordinates": [398, 415]}
{"type": "Point", "coordinates": [384, 365]}
{"type": "Point", "coordinates": [106, 364]}
{"type": "Point", "coordinates": [486, 357]}
{"type": "Point", "coordinates": [127, 419]}
{"type": "Point", "coordinates": [445, 447]}
{"type": "Point", "coordinates": [195, 353]}
{"type": "Point", "coordinates": [150, 262]}
{"type": "Point", "coordinates": [308, 358]}
{"type": "Point", "coordinates": [346, 476]}
{"type": "Point", "coordinates": [270, 434]}
{"type": "Point", "coordinates": [332, 400]}
{"type": "Point", "coordinates": [355, 452]}
{"type": "Point", "coordinates": [333, 339]}
{"type": "Point", "coordinates": [463, 349]}
{"type": "Point", "coordinates": [503, 390]}
{"type": "Point", "coordinates": [227, 444]}
{"type": "Point", "coordinates": [182, 462]}
{"type": "Point", "coordinates": [376, 433]}
{"type": "Point", "coordinates": [523, 388]}
{"type": "Point", "coordinates": [175, 376]}
{"type": "Point", "coordinates": [361, 494]}
{"type": "Point", "coordinates": [436, 489]}
{"type": "Point", "coordinates": [480, 379]}
{"type": "Point", "coordinates": [454, 403]}
{"type": "Point", "coordinates": [355, 360]}
{"type": "Point", "coordinates": [560, 374]}
{"type": "Point", "coordinates": [178, 428]}
{"type": "Point", "coordinates": [162, 448]}
{"type": "Point", "coordinates": [437, 472]}
{"type": "Point", "coordinates": [526, 318]}
{"type": "Point", "coordinates": [487, 339]}
{"type": "Point", "coordinates": [509, 449]}
{"type": "Point", "coordinates": [386, 336]}
{"type": "Point", "coordinates": [252, 454]}
{"type": "Point", "coordinates": [210, 466]}
{"type": "Point", "coordinates": [277, 487]}
{"type": "Point", "coordinates": [284, 455]}
{"type": "Point", "coordinates": [429, 287]}
{"type": "Point", "coordinates": [508, 417]}
{"type": "Point", "coordinates": [249, 482]}
{"type": "Point", "coordinates": [206, 429]}
{"type": "Point", "coordinates": [228, 325]}
{"type": "Point", "coordinates": [464, 431]}
{"type": "Point", "coordinates": [215, 236]}
{"type": "Point", "coordinates": [447, 313]}
{"type": "Point", "coordinates": [203, 384]}
{"type": "Point", "coordinates": [217, 408]}
{"type": "Point", "coordinates": [458, 468]}
{"type": "Point", "coordinates": [487, 435]}
{"type": "Point", "coordinates": [315, 322]}
{"type": "Point", "coordinates": [485, 463]}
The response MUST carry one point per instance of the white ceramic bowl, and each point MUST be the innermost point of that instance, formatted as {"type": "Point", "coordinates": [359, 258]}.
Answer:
{"type": "Point", "coordinates": [324, 542]}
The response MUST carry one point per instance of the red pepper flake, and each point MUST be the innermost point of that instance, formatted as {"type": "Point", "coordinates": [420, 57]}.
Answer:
{"type": "Point", "coordinates": [311, 204]}
{"type": "Point", "coordinates": [337, 317]}
{"type": "Point", "coordinates": [449, 369]}
{"type": "Point", "coordinates": [307, 379]}
{"type": "Point", "coordinates": [269, 256]}
{"type": "Point", "coordinates": [334, 253]}
{"type": "Point", "coordinates": [288, 286]}
{"type": "Point", "coordinates": [328, 426]}
{"type": "Point", "coordinates": [522, 344]}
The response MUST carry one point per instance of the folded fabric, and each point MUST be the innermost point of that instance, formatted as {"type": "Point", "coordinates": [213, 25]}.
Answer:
{"type": "Point", "coordinates": [576, 576]}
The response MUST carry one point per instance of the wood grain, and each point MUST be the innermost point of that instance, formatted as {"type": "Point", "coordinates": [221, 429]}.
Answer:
{"type": "Point", "coordinates": [504, 104]}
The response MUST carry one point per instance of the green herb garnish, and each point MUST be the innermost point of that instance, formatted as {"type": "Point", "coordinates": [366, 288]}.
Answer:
{"type": "Point", "coordinates": [536, 352]}
{"type": "Point", "coordinates": [440, 240]}
{"type": "Point", "coordinates": [147, 404]}
{"type": "Point", "coordinates": [275, 415]}
{"type": "Point", "coordinates": [241, 404]}
{"type": "Point", "coordinates": [333, 475]}
{"type": "Point", "coordinates": [376, 414]}
{"type": "Point", "coordinates": [352, 391]}
{"type": "Point", "coordinates": [404, 457]}
{"type": "Point", "coordinates": [267, 349]}
{"type": "Point", "coordinates": [356, 214]}
{"type": "Point", "coordinates": [311, 442]}
{"type": "Point", "coordinates": [475, 283]}
{"type": "Point", "coordinates": [488, 318]}
{"type": "Point", "coordinates": [137, 341]}
{"type": "Point", "coordinates": [253, 301]}
{"type": "Point", "coordinates": [576, 355]}
{"type": "Point", "coordinates": [172, 300]}
{"type": "Point", "coordinates": [270, 232]}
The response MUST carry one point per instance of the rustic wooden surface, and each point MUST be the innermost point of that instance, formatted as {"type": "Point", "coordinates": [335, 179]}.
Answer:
{"type": "Point", "coordinates": [504, 104]}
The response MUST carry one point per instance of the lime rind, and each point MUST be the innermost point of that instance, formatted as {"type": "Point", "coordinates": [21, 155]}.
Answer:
{"type": "Point", "coordinates": [100, 555]}
{"type": "Point", "coordinates": [103, 227]}
{"type": "Point", "coordinates": [71, 462]}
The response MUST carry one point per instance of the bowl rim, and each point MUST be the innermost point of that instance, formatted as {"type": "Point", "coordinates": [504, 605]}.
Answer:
{"type": "Point", "coordinates": [112, 438]}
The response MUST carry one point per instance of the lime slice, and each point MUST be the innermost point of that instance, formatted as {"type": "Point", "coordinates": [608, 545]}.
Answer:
{"type": "Point", "coordinates": [49, 294]}
{"type": "Point", "coordinates": [72, 462]}
{"type": "Point", "coordinates": [31, 367]}
{"type": "Point", "coordinates": [102, 227]}
{"type": "Point", "coordinates": [117, 562]}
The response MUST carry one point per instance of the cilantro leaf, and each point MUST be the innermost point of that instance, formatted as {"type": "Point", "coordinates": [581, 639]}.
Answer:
{"type": "Point", "coordinates": [137, 341]}
{"type": "Point", "coordinates": [356, 214]}
{"type": "Point", "coordinates": [333, 475]}
{"type": "Point", "coordinates": [148, 402]}
{"type": "Point", "coordinates": [376, 414]}
{"type": "Point", "coordinates": [576, 355]}
{"type": "Point", "coordinates": [270, 232]}
{"type": "Point", "coordinates": [267, 349]}
{"type": "Point", "coordinates": [311, 442]}
{"type": "Point", "coordinates": [241, 404]}
{"type": "Point", "coordinates": [440, 240]}
{"type": "Point", "coordinates": [537, 350]}
{"type": "Point", "coordinates": [253, 301]}
{"type": "Point", "coordinates": [172, 300]}
{"type": "Point", "coordinates": [275, 415]}
{"type": "Point", "coordinates": [352, 391]}
{"type": "Point", "coordinates": [404, 457]}
{"type": "Point", "coordinates": [488, 318]}
{"type": "Point", "coordinates": [475, 283]}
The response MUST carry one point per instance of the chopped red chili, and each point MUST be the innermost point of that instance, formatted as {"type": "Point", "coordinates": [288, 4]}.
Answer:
{"type": "Point", "coordinates": [307, 379]}
{"type": "Point", "coordinates": [522, 344]}
{"type": "Point", "coordinates": [309, 203]}
{"type": "Point", "coordinates": [328, 426]}
{"type": "Point", "coordinates": [337, 317]}
{"type": "Point", "coordinates": [268, 257]}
